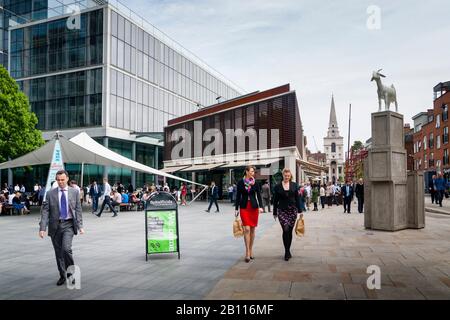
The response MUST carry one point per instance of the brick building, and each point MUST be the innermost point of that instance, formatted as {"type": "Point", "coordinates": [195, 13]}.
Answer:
{"type": "Point", "coordinates": [430, 137]}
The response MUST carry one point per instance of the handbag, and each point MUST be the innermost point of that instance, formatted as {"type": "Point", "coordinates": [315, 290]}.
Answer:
{"type": "Point", "coordinates": [238, 230]}
{"type": "Point", "coordinates": [300, 227]}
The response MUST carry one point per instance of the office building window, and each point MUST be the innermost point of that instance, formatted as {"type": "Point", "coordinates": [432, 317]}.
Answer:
{"type": "Point", "coordinates": [438, 121]}
{"type": "Point", "coordinates": [445, 135]}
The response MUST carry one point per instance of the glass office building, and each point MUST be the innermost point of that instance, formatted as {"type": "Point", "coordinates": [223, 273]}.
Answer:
{"type": "Point", "coordinates": [106, 71]}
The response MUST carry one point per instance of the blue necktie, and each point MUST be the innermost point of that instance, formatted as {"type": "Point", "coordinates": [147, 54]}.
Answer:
{"type": "Point", "coordinates": [63, 211]}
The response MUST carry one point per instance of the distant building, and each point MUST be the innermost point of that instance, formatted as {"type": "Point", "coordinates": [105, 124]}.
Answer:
{"type": "Point", "coordinates": [430, 137]}
{"type": "Point", "coordinates": [334, 148]}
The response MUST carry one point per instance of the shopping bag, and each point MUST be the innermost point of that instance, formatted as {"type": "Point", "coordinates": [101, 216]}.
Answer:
{"type": "Point", "coordinates": [238, 230]}
{"type": "Point", "coordinates": [300, 227]}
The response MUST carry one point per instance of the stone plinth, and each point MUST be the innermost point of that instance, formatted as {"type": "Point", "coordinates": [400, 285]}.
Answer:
{"type": "Point", "coordinates": [386, 174]}
{"type": "Point", "coordinates": [416, 206]}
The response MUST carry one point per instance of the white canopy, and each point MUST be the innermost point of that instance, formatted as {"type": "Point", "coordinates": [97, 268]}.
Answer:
{"type": "Point", "coordinates": [84, 149]}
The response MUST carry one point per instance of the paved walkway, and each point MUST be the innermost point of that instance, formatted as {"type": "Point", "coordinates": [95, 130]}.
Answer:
{"type": "Point", "coordinates": [435, 208]}
{"type": "Point", "coordinates": [329, 262]}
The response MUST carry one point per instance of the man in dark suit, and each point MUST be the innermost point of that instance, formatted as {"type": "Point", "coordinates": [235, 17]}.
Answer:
{"type": "Point", "coordinates": [61, 212]}
{"type": "Point", "coordinates": [94, 192]}
{"type": "Point", "coordinates": [213, 197]}
{"type": "Point", "coordinates": [359, 192]}
{"type": "Point", "coordinates": [347, 193]}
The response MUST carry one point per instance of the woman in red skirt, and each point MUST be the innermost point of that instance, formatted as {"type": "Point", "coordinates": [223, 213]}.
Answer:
{"type": "Point", "coordinates": [248, 199]}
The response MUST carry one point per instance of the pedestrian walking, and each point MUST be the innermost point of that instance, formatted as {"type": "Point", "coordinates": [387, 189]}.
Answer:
{"type": "Point", "coordinates": [315, 196]}
{"type": "Point", "coordinates": [213, 197]}
{"type": "Point", "coordinates": [359, 192]}
{"type": "Point", "coordinates": [323, 197]}
{"type": "Point", "coordinates": [62, 214]}
{"type": "Point", "coordinates": [347, 193]}
{"type": "Point", "coordinates": [107, 191]}
{"type": "Point", "coordinates": [266, 195]}
{"type": "Point", "coordinates": [183, 194]}
{"type": "Point", "coordinates": [330, 194]}
{"type": "Point", "coordinates": [440, 188]}
{"type": "Point", "coordinates": [230, 193]}
{"type": "Point", "coordinates": [248, 205]}
{"type": "Point", "coordinates": [432, 188]}
{"type": "Point", "coordinates": [286, 206]}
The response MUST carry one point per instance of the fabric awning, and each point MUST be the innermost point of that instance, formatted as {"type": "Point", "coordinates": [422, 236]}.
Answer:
{"type": "Point", "coordinates": [173, 169]}
{"type": "Point", "coordinates": [201, 167]}
{"type": "Point", "coordinates": [262, 162]}
{"type": "Point", "coordinates": [83, 149]}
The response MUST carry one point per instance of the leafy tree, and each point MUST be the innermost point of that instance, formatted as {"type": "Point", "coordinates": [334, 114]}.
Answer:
{"type": "Point", "coordinates": [18, 133]}
{"type": "Point", "coordinates": [357, 145]}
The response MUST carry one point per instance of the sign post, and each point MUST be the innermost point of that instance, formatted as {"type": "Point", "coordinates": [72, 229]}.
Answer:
{"type": "Point", "coordinates": [161, 225]}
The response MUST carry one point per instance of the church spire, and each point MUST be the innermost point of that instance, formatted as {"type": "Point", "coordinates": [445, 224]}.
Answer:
{"type": "Point", "coordinates": [333, 129]}
{"type": "Point", "coordinates": [333, 120]}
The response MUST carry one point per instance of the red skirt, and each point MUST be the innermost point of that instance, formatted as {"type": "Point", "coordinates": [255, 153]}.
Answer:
{"type": "Point", "coordinates": [249, 215]}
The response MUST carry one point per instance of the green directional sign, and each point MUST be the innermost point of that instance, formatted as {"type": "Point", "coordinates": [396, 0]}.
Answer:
{"type": "Point", "coordinates": [162, 231]}
{"type": "Point", "coordinates": [161, 225]}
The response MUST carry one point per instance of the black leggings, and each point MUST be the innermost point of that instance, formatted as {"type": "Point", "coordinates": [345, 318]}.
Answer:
{"type": "Point", "coordinates": [287, 237]}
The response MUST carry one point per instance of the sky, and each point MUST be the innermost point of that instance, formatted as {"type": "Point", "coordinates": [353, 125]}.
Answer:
{"type": "Point", "coordinates": [319, 47]}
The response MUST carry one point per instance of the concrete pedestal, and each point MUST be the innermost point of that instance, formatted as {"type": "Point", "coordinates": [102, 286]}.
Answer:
{"type": "Point", "coordinates": [416, 208]}
{"type": "Point", "coordinates": [387, 195]}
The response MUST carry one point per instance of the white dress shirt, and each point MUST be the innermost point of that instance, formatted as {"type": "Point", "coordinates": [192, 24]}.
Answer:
{"type": "Point", "coordinates": [108, 190]}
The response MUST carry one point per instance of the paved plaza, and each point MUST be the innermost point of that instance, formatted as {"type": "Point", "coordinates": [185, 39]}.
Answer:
{"type": "Point", "coordinates": [330, 262]}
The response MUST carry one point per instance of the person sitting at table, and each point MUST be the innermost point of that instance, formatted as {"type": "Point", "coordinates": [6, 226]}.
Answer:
{"type": "Point", "coordinates": [18, 205]}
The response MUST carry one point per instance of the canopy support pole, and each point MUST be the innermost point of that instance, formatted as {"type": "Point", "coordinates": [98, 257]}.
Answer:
{"type": "Point", "coordinates": [82, 174]}
{"type": "Point", "coordinates": [198, 195]}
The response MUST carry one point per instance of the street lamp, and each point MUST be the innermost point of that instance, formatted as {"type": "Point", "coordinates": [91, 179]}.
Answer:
{"type": "Point", "coordinates": [218, 99]}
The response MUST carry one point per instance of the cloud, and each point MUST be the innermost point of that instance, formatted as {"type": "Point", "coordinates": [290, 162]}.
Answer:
{"type": "Point", "coordinates": [320, 48]}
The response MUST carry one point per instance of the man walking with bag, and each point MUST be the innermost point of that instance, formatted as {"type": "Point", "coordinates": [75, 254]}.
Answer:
{"type": "Point", "coordinates": [265, 193]}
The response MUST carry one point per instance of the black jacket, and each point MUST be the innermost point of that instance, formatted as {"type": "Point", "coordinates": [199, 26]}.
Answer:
{"type": "Point", "coordinates": [281, 200]}
{"type": "Point", "coordinates": [344, 192]}
{"type": "Point", "coordinates": [359, 191]}
{"type": "Point", "coordinates": [242, 196]}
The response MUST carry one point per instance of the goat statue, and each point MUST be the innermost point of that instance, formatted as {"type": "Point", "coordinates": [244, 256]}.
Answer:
{"type": "Point", "coordinates": [388, 94]}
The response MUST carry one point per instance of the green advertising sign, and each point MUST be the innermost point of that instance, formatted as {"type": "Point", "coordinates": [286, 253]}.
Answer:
{"type": "Point", "coordinates": [161, 225]}
{"type": "Point", "coordinates": [162, 231]}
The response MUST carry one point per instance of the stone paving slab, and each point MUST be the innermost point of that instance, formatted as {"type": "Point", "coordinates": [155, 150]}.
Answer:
{"type": "Point", "coordinates": [331, 262]}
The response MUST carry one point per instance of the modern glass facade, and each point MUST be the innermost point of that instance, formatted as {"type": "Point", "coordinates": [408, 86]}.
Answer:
{"type": "Point", "coordinates": [112, 78]}
{"type": "Point", "coordinates": [19, 11]}
{"type": "Point", "coordinates": [153, 81]}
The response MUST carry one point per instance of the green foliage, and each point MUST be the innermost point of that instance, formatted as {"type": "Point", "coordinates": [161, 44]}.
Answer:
{"type": "Point", "coordinates": [18, 133]}
{"type": "Point", "coordinates": [357, 145]}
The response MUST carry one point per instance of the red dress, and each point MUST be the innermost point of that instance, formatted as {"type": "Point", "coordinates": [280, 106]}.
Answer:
{"type": "Point", "coordinates": [249, 215]}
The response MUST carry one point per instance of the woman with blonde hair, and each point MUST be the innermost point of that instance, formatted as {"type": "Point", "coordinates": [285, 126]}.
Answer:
{"type": "Point", "coordinates": [248, 199]}
{"type": "Point", "coordinates": [286, 206]}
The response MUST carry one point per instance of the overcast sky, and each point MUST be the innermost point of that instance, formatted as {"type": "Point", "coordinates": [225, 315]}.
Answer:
{"type": "Point", "coordinates": [320, 48]}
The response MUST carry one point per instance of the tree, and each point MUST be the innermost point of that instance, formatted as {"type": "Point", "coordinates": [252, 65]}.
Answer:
{"type": "Point", "coordinates": [357, 145]}
{"type": "Point", "coordinates": [18, 133]}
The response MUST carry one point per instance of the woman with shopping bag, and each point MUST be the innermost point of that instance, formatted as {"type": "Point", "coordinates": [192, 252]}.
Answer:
{"type": "Point", "coordinates": [249, 201]}
{"type": "Point", "coordinates": [286, 207]}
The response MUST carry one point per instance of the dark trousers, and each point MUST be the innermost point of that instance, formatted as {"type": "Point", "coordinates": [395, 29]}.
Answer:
{"type": "Point", "coordinates": [62, 243]}
{"type": "Point", "coordinates": [94, 203]}
{"type": "Point", "coordinates": [360, 204]}
{"type": "Point", "coordinates": [211, 201]}
{"type": "Point", "coordinates": [287, 237]}
{"type": "Point", "coordinates": [107, 202]}
{"type": "Point", "coordinates": [322, 201]}
{"type": "Point", "coordinates": [266, 202]}
{"type": "Point", "coordinates": [433, 194]}
{"type": "Point", "coordinates": [439, 196]}
{"type": "Point", "coordinates": [347, 203]}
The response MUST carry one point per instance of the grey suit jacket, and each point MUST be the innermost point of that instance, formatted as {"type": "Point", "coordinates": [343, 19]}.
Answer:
{"type": "Point", "coordinates": [50, 211]}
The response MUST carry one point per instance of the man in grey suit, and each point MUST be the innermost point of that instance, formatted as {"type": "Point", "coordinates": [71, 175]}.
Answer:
{"type": "Point", "coordinates": [61, 212]}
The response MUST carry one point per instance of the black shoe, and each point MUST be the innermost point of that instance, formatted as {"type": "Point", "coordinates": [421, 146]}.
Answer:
{"type": "Point", "coordinates": [217, 211]}
{"type": "Point", "coordinates": [61, 281]}
{"type": "Point", "coordinates": [114, 215]}
{"type": "Point", "coordinates": [207, 211]}
{"type": "Point", "coordinates": [253, 258]}
{"type": "Point", "coordinates": [287, 256]}
{"type": "Point", "coordinates": [98, 214]}
{"type": "Point", "coordinates": [247, 260]}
